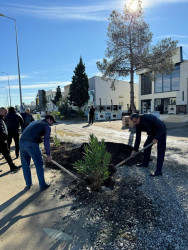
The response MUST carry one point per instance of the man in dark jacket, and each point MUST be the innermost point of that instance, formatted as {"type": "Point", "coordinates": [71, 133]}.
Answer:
{"type": "Point", "coordinates": [13, 122]}
{"type": "Point", "coordinates": [29, 148]}
{"type": "Point", "coordinates": [27, 118]}
{"type": "Point", "coordinates": [3, 141]}
{"type": "Point", "coordinates": [156, 131]}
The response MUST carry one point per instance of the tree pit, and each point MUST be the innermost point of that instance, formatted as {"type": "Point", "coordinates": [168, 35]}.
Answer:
{"type": "Point", "coordinates": [68, 153]}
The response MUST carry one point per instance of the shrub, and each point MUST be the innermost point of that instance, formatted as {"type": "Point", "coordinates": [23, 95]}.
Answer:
{"type": "Point", "coordinates": [80, 113]}
{"type": "Point", "coordinates": [95, 162]}
{"type": "Point", "coordinates": [55, 114]}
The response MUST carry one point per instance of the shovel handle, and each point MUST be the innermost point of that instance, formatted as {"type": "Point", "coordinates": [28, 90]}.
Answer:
{"type": "Point", "coordinates": [64, 169]}
{"type": "Point", "coordinates": [130, 157]}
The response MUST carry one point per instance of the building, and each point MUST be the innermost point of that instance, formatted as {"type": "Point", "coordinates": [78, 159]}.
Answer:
{"type": "Point", "coordinates": [50, 94]}
{"type": "Point", "coordinates": [110, 98]}
{"type": "Point", "coordinates": [66, 91]}
{"type": "Point", "coordinates": [168, 94]}
{"type": "Point", "coordinates": [111, 92]}
{"type": "Point", "coordinates": [39, 100]}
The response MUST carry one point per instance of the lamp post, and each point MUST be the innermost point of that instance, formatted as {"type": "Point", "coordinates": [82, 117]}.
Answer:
{"type": "Point", "coordinates": [8, 86]}
{"type": "Point", "coordinates": [17, 59]}
{"type": "Point", "coordinates": [6, 105]}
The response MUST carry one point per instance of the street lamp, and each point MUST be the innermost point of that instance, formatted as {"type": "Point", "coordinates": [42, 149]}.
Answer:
{"type": "Point", "coordinates": [8, 86]}
{"type": "Point", "coordinates": [17, 59]}
{"type": "Point", "coordinates": [6, 105]}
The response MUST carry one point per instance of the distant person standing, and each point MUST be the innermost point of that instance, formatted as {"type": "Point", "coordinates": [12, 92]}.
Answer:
{"type": "Point", "coordinates": [27, 118]}
{"type": "Point", "coordinates": [29, 148]}
{"type": "Point", "coordinates": [3, 141]}
{"type": "Point", "coordinates": [91, 115]}
{"type": "Point", "coordinates": [13, 121]}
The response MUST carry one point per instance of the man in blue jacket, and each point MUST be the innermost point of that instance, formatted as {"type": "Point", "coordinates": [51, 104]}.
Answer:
{"type": "Point", "coordinates": [156, 131]}
{"type": "Point", "coordinates": [29, 148]}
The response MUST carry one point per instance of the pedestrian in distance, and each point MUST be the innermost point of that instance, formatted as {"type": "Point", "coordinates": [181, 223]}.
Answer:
{"type": "Point", "coordinates": [13, 122]}
{"type": "Point", "coordinates": [27, 118]}
{"type": "Point", "coordinates": [29, 148]}
{"type": "Point", "coordinates": [91, 114]}
{"type": "Point", "coordinates": [156, 131]}
{"type": "Point", "coordinates": [4, 149]}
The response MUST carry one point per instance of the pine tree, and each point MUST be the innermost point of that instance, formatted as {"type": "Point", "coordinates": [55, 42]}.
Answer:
{"type": "Point", "coordinates": [78, 93]}
{"type": "Point", "coordinates": [129, 47]}
{"type": "Point", "coordinates": [57, 97]}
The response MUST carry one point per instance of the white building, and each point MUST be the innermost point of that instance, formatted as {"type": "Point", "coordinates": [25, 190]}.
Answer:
{"type": "Point", "coordinates": [111, 92]}
{"type": "Point", "coordinates": [50, 94]}
{"type": "Point", "coordinates": [168, 93]}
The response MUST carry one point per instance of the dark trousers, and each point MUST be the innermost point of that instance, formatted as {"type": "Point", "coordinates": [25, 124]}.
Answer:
{"type": "Point", "coordinates": [91, 119]}
{"type": "Point", "coordinates": [6, 153]}
{"type": "Point", "coordinates": [14, 135]}
{"type": "Point", "coordinates": [161, 148]}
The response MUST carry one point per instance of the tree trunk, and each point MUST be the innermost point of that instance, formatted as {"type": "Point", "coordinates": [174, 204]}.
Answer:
{"type": "Point", "coordinates": [132, 105]}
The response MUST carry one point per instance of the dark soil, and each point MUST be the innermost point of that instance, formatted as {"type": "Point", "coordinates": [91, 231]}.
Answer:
{"type": "Point", "coordinates": [118, 208]}
{"type": "Point", "coordinates": [67, 154]}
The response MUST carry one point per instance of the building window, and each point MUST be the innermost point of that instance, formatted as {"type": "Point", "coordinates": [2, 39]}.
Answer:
{"type": "Point", "coordinates": [166, 83]}
{"type": "Point", "coordinates": [159, 84]}
{"type": "Point", "coordinates": [145, 106]}
{"type": "Point", "coordinates": [173, 101]}
{"type": "Point", "coordinates": [145, 84]}
{"type": "Point", "coordinates": [176, 78]}
{"type": "Point", "coordinates": [182, 95]}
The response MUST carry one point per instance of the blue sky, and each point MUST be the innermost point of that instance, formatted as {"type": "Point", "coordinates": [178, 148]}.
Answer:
{"type": "Point", "coordinates": [52, 35]}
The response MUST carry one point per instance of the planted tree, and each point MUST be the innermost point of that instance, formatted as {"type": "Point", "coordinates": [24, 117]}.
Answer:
{"type": "Point", "coordinates": [78, 93]}
{"type": "Point", "coordinates": [44, 100]}
{"type": "Point", "coordinates": [57, 97]}
{"type": "Point", "coordinates": [130, 49]}
{"type": "Point", "coordinates": [56, 140]}
{"type": "Point", "coordinates": [94, 165]}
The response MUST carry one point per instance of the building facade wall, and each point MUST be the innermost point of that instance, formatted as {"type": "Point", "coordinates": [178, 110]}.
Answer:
{"type": "Point", "coordinates": [180, 96]}
{"type": "Point", "coordinates": [108, 93]}
{"type": "Point", "coordinates": [50, 94]}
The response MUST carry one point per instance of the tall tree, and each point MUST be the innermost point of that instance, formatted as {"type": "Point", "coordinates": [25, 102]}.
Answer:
{"type": "Point", "coordinates": [44, 100]}
{"type": "Point", "coordinates": [78, 93]}
{"type": "Point", "coordinates": [58, 96]}
{"type": "Point", "coordinates": [130, 49]}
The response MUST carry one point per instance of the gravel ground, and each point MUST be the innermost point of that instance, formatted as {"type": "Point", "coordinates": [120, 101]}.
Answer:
{"type": "Point", "coordinates": [159, 218]}
{"type": "Point", "coordinates": [169, 197]}
{"type": "Point", "coordinates": [141, 212]}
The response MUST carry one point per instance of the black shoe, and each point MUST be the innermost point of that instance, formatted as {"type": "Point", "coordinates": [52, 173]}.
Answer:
{"type": "Point", "coordinates": [45, 187]}
{"type": "Point", "coordinates": [141, 165]}
{"type": "Point", "coordinates": [27, 188]}
{"type": "Point", "coordinates": [156, 174]}
{"type": "Point", "coordinates": [15, 168]}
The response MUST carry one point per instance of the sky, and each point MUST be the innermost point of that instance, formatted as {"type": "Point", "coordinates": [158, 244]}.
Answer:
{"type": "Point", "coordinates": [52, 35]}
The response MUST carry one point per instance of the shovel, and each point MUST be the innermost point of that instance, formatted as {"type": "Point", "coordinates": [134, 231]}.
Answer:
{"type": "Point", "coordinates": [64, 169]}
{"type": "Point", "coordinates": [130, 157]}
